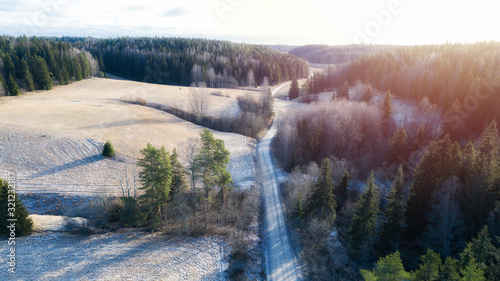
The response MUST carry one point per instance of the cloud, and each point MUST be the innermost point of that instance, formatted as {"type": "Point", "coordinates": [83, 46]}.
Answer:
{"type": "Point", "coordinates": [175, 12]}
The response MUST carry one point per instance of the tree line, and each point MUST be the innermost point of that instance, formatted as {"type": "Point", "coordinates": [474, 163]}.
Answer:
{"type": "Point", "coordinates": [461, 79]}
{"type": "Point", "coordinates": [182, 61]}
{"type": "Point", "coordinates": [324, 54]}
{"type": "Point", "coordinates": [33, 63]}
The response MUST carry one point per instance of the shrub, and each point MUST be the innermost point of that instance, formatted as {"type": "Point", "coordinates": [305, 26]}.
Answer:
{"type": "Point", "coordinates": [108, 150]}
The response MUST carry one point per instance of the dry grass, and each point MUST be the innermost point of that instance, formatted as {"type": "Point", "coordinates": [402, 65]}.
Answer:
{"type": "Point", "coordinates": [53, 139]}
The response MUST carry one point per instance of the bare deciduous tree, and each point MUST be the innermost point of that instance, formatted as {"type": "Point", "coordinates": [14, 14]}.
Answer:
{"type": "Point", "coordinates": [196, 74]}
{"type": "Point", "coordinates": [446, 222]}
{"type": "Point", "coordinates": [200, 100]}
{"type": "Point", "coordinates": [250, 78]}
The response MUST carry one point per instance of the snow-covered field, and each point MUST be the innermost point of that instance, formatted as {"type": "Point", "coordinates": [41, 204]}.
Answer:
{"type": "Point", "coordinates": [53, 140]}
{"type": "Point", "coordinates": [114, 256]}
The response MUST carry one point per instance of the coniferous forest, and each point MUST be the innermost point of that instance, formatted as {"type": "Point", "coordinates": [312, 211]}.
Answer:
{"type": "Point", "coordinates": [181, 61]}
{"type": "Point", "coordinates": [30, 64]}
{"type": "Point", "coordinates": [35, 63]}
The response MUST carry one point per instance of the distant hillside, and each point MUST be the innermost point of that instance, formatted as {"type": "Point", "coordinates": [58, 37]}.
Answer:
{"type": "Point", "coordinates": [282, 48]}
{"type": "Point", "coordinates": [326, 54]}
{"type": "Point", "coordinates": [181, 61]}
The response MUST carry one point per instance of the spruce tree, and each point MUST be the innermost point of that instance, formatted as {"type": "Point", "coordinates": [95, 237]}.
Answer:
{"type": "Point", "coordinates": [343, 92]}
{"type": "Point", "coordinates": [108, 150]}
{"type": "Point", "coordinates": [472, 272]}
{"type": "Point", "coordinates": [212, 161]}
{"type": "Point", "coordinates": [387, 106]}
{"type": "Point", "coordinates": [342, 188]}
{"type": "Point", "coordinates": [12, 86]}
{"type": "Point", "coordinates": [398, 146]}
{"type": "Point", "coordinates": [294, 90]}
{"type": "Point", "coordinates": [179, 182]}
{"type": "Point", "coordinates": [28, 78]}
{"type": "Point", "coordinates": [323, 203]}
{"type": "Point", "coordinates": [482, 251]}
{"type": "Point", "coordinates": [364, 222]}
{"type": "Point", "coordinates": [429, 269]}
{"type": "Point", "coordinates": [23, 222]}
{"type": "Point", "coordinates": [387, 268]}
{"type": "Point", "coordinates": [367, 97]}
{"type": "Point", "coordinates": [156, 178]}
{"type": "Point", "coordinates": [394, 215]}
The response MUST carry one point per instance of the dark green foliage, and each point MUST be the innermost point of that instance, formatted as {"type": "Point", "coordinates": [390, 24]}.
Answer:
{"type": "Point", "coordinates": [441, 161]}
{"type": "Point", "coordinates": [398, 146]}
{"type": "Point", "coordinates": [387, 268]}
{"type": "Point", "coordinates": [212, 162]}
{"type": "Point", "coordinates": [342, 189]}
{"type": "Point", "coordinates": [156, 178]}
{"type": "Point", "coordinates": [299, 210]}
{"type": "Point", "coordinates": [364, 222]}
{"type": "Point", "coordinates": [394, 215]}
{"type": "Point", "coordinates": [429, 269]}
{"type": "Point", "coordinates": [482, 251]}
{"type": "Point", "coordinates": [294, 90]}
{"type": "Point", "coordinates": [171, 60]}
{"type": "Point", "coordinates": [343, 92]}
{"type": "Point", "coordinates": [28, 78]}
{"type": "Point", "coordinates": [108, 150]}
{"type": "Point", "coordinates": [387, 106]}
{"type": "Point", "coordinates": [449, 270]}
{"type": "Point", "coordinates": [130, 214]}
{"type": "Point", "coordinates": [322, 203]}
{"type": "Point", "coordinates": [9, 199]}
{"type": "Point", "coordinates": [12, 86]}
{"type": "Point", "coordinates": [35, 63]}
{"type": "Point", "coordinates": [179, 182]}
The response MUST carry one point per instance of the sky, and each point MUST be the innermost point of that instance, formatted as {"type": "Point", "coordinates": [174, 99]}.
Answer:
{"type": "Point", "coordinates": [289, 22]}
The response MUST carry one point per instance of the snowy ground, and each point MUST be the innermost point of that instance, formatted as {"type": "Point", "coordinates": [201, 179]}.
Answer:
{"type": "Point", "coordinates": [114, 256]}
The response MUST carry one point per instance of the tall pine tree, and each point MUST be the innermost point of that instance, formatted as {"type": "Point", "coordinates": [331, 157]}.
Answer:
{"type": "Point", "coordinates": [323, 203]}
{"type": "Point", "coordinates": [364, 222]}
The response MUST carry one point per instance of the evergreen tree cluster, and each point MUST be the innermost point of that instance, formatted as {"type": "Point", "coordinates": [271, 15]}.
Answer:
{"type": "Point", "coordinates": [31, 63]}
{"type": "Point", "coordinates": [181, 61]}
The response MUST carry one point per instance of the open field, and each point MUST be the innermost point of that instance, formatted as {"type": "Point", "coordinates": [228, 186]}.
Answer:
{"type": "Point", "coordinates": [53, 139]}
{"type": "Point", "coordinates": [114, 256]}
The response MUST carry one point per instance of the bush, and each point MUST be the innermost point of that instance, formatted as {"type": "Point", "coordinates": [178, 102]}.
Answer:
{"type": "Point", "coordinates": [130, 214]}
{"type": "Point", "coordinates": [108, 150]}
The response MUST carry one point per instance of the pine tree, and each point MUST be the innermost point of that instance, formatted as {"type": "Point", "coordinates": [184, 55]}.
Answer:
{"type": "Point", "coordinates": [387, 268]}
{"type": "Point", "coordinates": [78, 69]}
{"type": "Point", "coordinates": [343, 92]}
{"type": "Point", "coordinates": [156, 178]}
{"type": "Point", "coordinates": [429, 269]}
{"type": "Point", "coordinates": [212, 160]}
{"type": "Point", "coordinates": [12, 86]}
{"type": "Point", "coordinates": [41, 74]}
{"type": "Point", "coordinates": [179, 182]}
{"type": "Point", "coordinates": [394, 215]}
{"type": "Point", "coordinates": [482, 251]}
{"type": "Point", "coordinates": [398, 146]}
{"type": "Point", "coordinates": [299, 210]}
{"type": "Point", "coordinates": [28, 78]}
{"type": "Point", "coordinates": [472, 272]}
{"type": "Point", "coordinates": [449, 270]}
{"type": "Point", "coordinates": [294, 90]}
{"type": "Point", "coordinates": [342, 188]}
{"type": "Point", "coordinates": [23, 222]}
{"type": "Point", "coordinates": [387, 106]}
{"type": "Point", "coordinates": [323, 203]}
{"type": "Point", "coordinates": [364, 221]}
{"type": "Point", "coordinates": [367, 97]}
{"type": "Point", "coordinates": [419, 141]}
